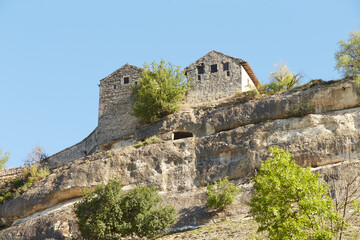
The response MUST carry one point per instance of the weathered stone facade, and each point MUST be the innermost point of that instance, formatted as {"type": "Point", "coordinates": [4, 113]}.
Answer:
{"type": "Point", "coordinates": [115, 89]}
{"type": "Point", "coordinates": [216, 76]}
{"type": "Point", "coordinates": [116, 124]}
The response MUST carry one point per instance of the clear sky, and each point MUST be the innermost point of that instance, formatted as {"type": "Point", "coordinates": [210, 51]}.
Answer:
{"type": "Point", "coordinates": [53, 53]}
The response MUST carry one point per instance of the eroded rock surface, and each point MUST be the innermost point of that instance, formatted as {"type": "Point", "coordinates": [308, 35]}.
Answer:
{"type": "Point", "coordinates": [228, 141]}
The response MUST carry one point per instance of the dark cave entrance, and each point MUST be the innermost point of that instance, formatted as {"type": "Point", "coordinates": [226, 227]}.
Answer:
{"type": "Point", "coordinates": [180, 135]}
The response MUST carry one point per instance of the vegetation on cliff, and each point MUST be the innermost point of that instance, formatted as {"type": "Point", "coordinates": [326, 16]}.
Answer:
{"type": "Point", "coordinates": [348, 56]}
{"type": "Point", "coordinates": [161, 88]}
{"type": "Point", "coordinates": [19, 185]}
{"type": "Point", "coordinates": [289, 201]}
{"type": "Point", "coordinates": [282, 79]}
{"type": "Point", "coordinates": [221, 194]}
{"type": "Point", "coordinates": [110, 212]}
{"type": "Point", "coordinates": [4, 157]}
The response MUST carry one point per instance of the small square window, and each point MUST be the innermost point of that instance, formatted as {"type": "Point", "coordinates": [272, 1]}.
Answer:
{"type": "Point", "coordinates": [201, 69]}
{"type": "Point", "coordinates": [199, 77]}
{"type": "Point", "coordinates": [226, 66]}
{"type": "Point", "coordinates": [126, 80]}
{"type": "Point", "coordinates": [214, 68]}
{"type": "Point", "coordinates": [114, 86]}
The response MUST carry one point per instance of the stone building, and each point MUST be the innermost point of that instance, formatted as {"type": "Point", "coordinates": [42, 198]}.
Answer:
{"type": "Point", "coordinates": [115, 112]}
{"type": "Point", "coordinates": [216, 76]}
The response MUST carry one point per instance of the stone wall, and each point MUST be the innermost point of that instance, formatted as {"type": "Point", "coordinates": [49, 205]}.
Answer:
{"type": "Point", "coordinates": [207, 84]}
{"type": "Point", "coordinates": [86, 147]}
{"type": "Point", "coordinates": [115, 88]}
{"type": "Point", "coordinates": [10, 174]}
{"type": "Point", "coordinates": [115, 107]}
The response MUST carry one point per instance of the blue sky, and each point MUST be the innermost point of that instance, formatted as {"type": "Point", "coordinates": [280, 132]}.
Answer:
{"type": "Point", "coordinates": [53, 53]}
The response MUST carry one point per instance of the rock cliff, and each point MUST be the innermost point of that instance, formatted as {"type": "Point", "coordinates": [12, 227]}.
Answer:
{"type": "Point", "coordinates": [229, 139]}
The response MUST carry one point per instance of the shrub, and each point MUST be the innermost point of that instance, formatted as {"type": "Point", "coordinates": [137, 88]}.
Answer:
{"type": "Point", "coordinates": [150, 140]}
{"type": "Point", "coordinates": [221, 194]}
{"type": "Point", "coordinates": [160, 90]}
{"type": "Point", "coordinates": [289, 202]}
{"type": "Point", "coordinates": [282, 80]}
{"type": "Point", "coordinates": [110, 213]}
{"type": "Point", "coordinates": [4, 157]}
{"type": "Point", "coordinates": [17, 186]}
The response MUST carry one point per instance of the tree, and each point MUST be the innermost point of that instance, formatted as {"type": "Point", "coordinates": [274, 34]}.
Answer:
{"type": "Point", "coordinates": [282, 79]}
{"type": "Point", "coordinates": [110, 212]}
{"type": "Point", "coordinates": [37, 156]}
{"type": "Point", "coordinates": [348, 56]}
{"type": "Point", "coordinates": [160, 90]}
{"type": "Point", "coordinates": [221, 194]}
{"type": "Point", "coordinates": [4, 157]}
{"type": "Point", "coordinates": [289, 202]}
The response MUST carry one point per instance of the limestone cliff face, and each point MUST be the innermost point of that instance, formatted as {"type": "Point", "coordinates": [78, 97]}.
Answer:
{"type": "Point", "coordinates": [230, 140]}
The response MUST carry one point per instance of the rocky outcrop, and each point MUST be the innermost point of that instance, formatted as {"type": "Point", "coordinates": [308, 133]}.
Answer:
{"type": "Point", "coordinates": [229, 140]}
{"type": "Point", "coordinates": [186, 164]}
{"type": "Point", "coordinates": [221, 116]}
{"type": "Point", "coordinates": [191, 206]}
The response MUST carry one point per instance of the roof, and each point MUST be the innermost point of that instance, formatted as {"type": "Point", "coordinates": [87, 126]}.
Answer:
{"type": "Point", "coordinates": [240, 61]}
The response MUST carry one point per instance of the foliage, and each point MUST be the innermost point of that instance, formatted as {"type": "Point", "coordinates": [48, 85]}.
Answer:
{"type": "Point", "coordinates": [221, 194]}
{"type": "Point", "coordinates": [4, 157]}
{"type": "Point", "coordinates": [162, 87]}
{"type": "Point", "coordinates": [282, 79]}
{"type": "Point", "coordinates": [19, 185]}
{"type": "Point", "coordinates": [110, 212]}
{"type": "Point", "coordinates": [37, 156]}
{"type": "Point", "coordinates": [348, 56]}
{"type": "Point", "coordinates": [150, 140]}
{"type": "Point", "coordinates": [289, 202]}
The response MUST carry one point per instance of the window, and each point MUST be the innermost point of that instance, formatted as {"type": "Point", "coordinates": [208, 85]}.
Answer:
{"type": "Point", "coordinates": [114, 86]}
{"type": "Point", "coordinates": [126, 80]}
{"type": "Point", "coordinates": [226, 66]}
{"type": "Point", "coordinates": [199, 77]}
{"type": "Point", "coordinates": [201, 69]}
{"type": "Point", "coordinates": [213, 68]}
{"type": "Point", "coordinates": [228, 73]}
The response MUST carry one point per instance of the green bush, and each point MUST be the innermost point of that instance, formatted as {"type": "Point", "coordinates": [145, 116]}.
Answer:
{"type": "Point", "coordinates": [289, 202]}
{"type": "Point", "coordinates": [282, 80]}
{"type": "Point", "coordinates": [110, 213]}
{"type": "Point", "coordinates": [221, 194]}
{"type": "Point", "coordinates": [161, 88]}
{"type": "Point", "coordinates": [4, 157]}
{"type": "Point", "coordinates": [17, 186]}
{"type": "Point", "coordinates": [150, 140]}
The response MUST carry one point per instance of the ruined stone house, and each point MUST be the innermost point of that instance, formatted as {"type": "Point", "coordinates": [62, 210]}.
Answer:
{"type": "Point", "coordinates": [214, 76]}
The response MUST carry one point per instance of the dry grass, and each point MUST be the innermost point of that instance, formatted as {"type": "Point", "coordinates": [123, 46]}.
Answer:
{"type": "Point", "coordinates": [241, 229]}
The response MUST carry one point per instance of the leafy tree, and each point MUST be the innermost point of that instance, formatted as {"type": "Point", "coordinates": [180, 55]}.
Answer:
{"type": "Point", "coordinates": [4, 157]}
{"type": "Point", "coordinates": [348, 56]}
{"type": "Point", "coordinates": [282, 79]}
{"type": "Point", "coordinates": [221, 194]}
{"type": "Point", "coordinates": [162, 87]}
{"type": "Point", "coordinates": [289, 202]}
{"type": "Point", "coordinates": [110, 213]}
